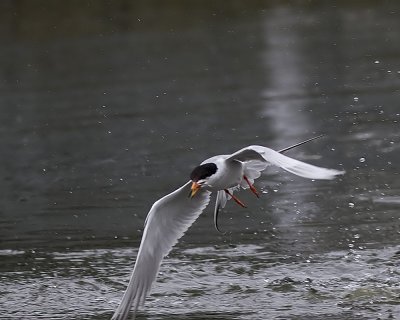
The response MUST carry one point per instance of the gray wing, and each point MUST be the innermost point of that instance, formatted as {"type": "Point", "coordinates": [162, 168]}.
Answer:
{"type": "Point", "coordinates": [167, 221]}
{"type": "Point", "coordinates": [299, 168]}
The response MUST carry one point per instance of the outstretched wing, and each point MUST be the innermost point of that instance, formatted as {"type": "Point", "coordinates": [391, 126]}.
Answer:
{"type": "Point", "coordinates": [257, 158]}
{"type": "Point", "coordinates": [299, 168]}
{"type": "Point", "coordinates": [166, 222]}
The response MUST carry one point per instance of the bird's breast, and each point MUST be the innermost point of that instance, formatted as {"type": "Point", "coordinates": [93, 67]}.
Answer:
{"type": "Point", "coordinates": [228, 175]}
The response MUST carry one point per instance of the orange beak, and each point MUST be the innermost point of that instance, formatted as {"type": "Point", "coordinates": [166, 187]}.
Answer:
{"type": "Point", "coordinates": [193, 190]}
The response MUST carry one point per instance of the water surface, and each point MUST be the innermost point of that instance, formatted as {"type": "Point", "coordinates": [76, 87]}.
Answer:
{"type": "Point", "coordinates": [107, 107]}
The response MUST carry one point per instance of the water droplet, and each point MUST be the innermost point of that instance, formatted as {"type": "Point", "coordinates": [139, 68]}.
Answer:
{"type": "Point", "coordinates": [361, 159]}
{"type": "Point", "coordinates": [376, 61]}
{"type": "Point", "coordinates": [351, 205]}
{"type": "Point", "coordinates": [355, 98]}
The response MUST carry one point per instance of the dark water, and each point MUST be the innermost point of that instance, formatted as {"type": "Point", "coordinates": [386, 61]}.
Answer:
{"type": "Point", "coordinates": [108, 106]}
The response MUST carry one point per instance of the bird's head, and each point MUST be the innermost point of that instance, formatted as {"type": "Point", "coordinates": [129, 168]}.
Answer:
{"type": "Point", "coordinates": [200, 176]}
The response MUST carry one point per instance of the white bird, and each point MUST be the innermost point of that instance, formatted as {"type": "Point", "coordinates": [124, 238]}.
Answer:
{"type": "Point", "coordinates": [172, 215]}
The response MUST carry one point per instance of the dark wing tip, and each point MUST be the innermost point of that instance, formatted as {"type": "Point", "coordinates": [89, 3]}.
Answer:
{"type": "Point", "coordinates": [301, 143]}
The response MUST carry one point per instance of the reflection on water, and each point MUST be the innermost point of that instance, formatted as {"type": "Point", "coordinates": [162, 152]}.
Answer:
{"type": "Point", "coordinates": [99, 100]}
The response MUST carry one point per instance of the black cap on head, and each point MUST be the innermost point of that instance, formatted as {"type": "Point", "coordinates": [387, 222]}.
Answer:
{"type": "Point", "coordinates": [203, 171]}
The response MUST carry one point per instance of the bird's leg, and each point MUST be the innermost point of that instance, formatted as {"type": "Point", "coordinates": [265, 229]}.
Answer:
{"type": "Point", "coordinates": [240, 203]}
{"type": "Point", "coordinates": [252, 188]}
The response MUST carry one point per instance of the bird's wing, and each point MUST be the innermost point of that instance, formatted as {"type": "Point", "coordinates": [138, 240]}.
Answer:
{"type": "Point", "coordinates": [299, 168]}
{"type": "Point", "coordinates": [252, 170]}
{"type": "Point", "coordinates": [167, 221]}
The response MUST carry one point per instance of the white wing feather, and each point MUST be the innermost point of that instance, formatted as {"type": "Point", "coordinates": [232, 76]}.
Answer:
{"type": "Point", "coordinates": [167, 221]}
{"type": "Point", "coordinates": [294, 166]}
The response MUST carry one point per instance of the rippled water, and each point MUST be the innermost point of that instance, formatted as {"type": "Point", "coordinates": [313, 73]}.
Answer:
{"type": "Point", "coordinates": [222, 282]}
{"type": "Point", "coordinates": [107, 110]}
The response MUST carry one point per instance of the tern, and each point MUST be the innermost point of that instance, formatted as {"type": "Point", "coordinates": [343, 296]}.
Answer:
{"type": "Point", "coordinates": [170, 216]}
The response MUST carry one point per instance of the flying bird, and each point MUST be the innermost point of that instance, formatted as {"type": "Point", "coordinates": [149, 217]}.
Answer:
{"type": "Point", "coordinates": [170, 216]}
